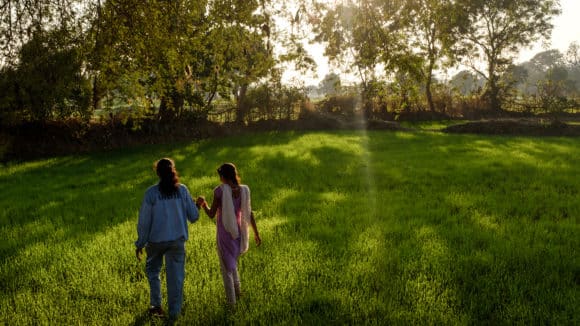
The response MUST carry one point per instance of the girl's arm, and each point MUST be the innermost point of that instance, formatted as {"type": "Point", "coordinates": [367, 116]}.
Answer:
{"type": "Point", "coordinates": [213, 210]}
{"type": "Point", "coordinates": [255, 229]}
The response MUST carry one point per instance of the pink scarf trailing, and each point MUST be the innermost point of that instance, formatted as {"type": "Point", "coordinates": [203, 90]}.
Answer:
{"type": "Point", "coordinates": [228, 215]}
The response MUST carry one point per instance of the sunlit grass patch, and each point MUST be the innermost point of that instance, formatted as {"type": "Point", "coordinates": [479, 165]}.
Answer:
{"type": "Point", "coordinates": [431, 125]}
{"type": "Point", "coordinates": [357, 227]}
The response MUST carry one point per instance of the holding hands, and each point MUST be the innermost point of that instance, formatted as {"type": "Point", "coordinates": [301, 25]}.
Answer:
{"type": "Point", "coordinates": [201, 202]}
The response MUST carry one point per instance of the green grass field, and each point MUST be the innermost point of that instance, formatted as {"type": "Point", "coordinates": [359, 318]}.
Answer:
{"type": "Point", "coordinates": [377, 228]}
{"type": "Point", "coordinates": [435, 125]}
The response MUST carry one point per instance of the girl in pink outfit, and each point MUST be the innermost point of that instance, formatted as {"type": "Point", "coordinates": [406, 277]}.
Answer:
{"type": "Point", "coordinates": [232, 204]}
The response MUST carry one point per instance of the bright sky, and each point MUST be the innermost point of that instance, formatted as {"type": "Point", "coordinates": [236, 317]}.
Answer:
{"type": "Point", "coordinates": [566, 30]}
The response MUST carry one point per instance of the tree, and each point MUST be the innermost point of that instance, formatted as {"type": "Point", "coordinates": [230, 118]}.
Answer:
{"type": "Point", "coordinates": [363, 36]}
{"type": "Point", "coordinates": [428, 29]}
{"type": "Point", "coordinates": [553, 91]}
{"type": "Point", "coordinates": [48, 80]}
{"type": "Point", "coordinates": [465, 82]}
{"type": "Point", "coordinates": [330, 84]}
{"type": "Point", "coordinates": [494, 30]}
{"type": "Point", "coordinates": [21, 20]}
{"type": "Point", "coordinates": [147, 50]}
{"type": "Point", "coordinates": [547, 60]}
{"type": "Point", "coordinates": [42, 58]}
{"type": "Point", "coordinates": [181, 52]}
{"type": "Point", "coordinates": [241, 47]}
{"type": "Point", "coordinates": [573, 55]}
{"type": "Point", "coordinates": [409, 40]}
{"type": "Point", "coordinates": [572, 62]}
{"type": "Point", "coordinates": [11, 103]}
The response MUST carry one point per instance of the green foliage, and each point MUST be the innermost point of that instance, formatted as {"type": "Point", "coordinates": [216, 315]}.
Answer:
{"type": "Point", "coordinates": [395, 228]}
{"type": "Point", "coordinates": [406, 92]}
{"type": "Point", "coordinates": [22, 20]}
{"type": "Point", "coordinates": [272, 101]}
{"type": "Point", "coordinates": [330, 84]}
{"type": "Point", "coordinates": [376, 101]}
{"type": "Point", "coordinates": [10, 100]}
{"type": "Point", "coordinates": [48, 81]}
{"type": "Point", "coordinates": [410, 39]}
{"type": "Point", "coordinates": [547, 83]}
{"type": "Point", "coordinates": [429, 30]}
{"type": "Point", "coordinates": [466, 82]}
{"type": "Point", "coordinates": [149, 50]}
{"type": "Point", "coordinates": [493, 31]}
{"type": "Point", "coordinates": [341, 105]}
{"type": "Point", "coordinates": [362, 36]}
{"type": "Point", "coordinates": [182, 53]}
{"type": "Point", "coordinates": [176, 58]}
{"type": "Point", "coordinates": [552, 91]}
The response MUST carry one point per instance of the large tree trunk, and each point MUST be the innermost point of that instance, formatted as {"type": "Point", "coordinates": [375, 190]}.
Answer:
{"type": "Point", "coordinates": [428, 93]}
{"type": "Point", "coordinates": [164, 109]}
{"type": "Point", "coordinates": [213, 91]}
{"type": "Point", "coordinates": [96, 87]}
{"type": "Point", "coordinates": [178, 101]}
{"type": "Point", "coordinates": [492, 92]}
{"type": "Point", "coordinates": [492, 95]}
{"type": "Point", "coordinates": [241, 104]}
{"type": "Point", "coordinates": [96, 93]}
{"type": "Point", "coordinates": [429, 82]}
{"type": "Point", "coordinates": [171, 105]}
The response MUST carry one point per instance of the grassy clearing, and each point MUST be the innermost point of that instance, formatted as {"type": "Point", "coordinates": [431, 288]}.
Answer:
{"type": "Point", "coordinates": [436, 125]}
{"type": "Point", "coordinates": [389, 228]}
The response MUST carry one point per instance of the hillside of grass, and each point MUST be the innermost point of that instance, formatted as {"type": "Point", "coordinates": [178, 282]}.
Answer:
{"type": "Point", "coordinates": [357, 227]}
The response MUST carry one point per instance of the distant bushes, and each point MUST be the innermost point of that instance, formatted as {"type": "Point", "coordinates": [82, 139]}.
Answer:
{"type": "Point", "coordinates": [384, 105]}
{"type": "Point", "coordinates": [274, 102]}
{"type": "Point", "coordinates": [342, 105]}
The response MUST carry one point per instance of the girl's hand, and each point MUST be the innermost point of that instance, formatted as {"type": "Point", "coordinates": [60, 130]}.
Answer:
{"type": "Point", "coordinates": [258, 240]}
{"type": "Point", "coordinates": [138, 253]}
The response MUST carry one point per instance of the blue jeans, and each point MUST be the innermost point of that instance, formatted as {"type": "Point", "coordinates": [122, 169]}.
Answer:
{"type": "Point", "coordinates": [174, 252]}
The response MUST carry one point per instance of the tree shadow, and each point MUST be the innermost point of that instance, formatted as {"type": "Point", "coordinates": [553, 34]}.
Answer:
{"type": "Point", "coordinates": [142, 319]}
{"type": "Point", "coordinates": [71, 200]}
{"type": "Point", "coordinates": [453, 256]}
{"type": "Point", "coordinates": [481, 263]}
{"type": "Point", "coordinates": [437, 207]}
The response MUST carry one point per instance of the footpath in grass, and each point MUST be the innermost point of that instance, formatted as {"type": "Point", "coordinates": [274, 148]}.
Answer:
{"type": "Point", "coordinates": [377, 227]}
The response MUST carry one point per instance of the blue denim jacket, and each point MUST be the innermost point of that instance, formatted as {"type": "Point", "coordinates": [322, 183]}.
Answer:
{"type": "Point", "coordinates": [164, 218]}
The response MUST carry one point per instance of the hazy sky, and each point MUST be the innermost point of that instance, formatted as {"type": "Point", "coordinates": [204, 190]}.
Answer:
{"type": "Point", "coordinates": [566, 30]}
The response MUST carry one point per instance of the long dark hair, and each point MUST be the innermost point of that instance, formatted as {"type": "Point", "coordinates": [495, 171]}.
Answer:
{"type": "Point", "coordinates": [168, 177]}
{"type": "Point", "coordinates": [229, 172]}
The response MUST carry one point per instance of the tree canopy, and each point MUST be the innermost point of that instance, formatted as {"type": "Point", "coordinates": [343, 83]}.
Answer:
{"type": "Point", "coordinates": [494, 30]}
{"type": "Point", "coordinates": [171, 59]}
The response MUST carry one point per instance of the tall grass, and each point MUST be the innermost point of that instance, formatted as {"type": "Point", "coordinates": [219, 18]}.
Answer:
{"type": "Point", "coordinates": [379, 228]}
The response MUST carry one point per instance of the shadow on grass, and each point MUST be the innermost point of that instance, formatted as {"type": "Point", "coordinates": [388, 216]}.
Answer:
{"type": "Point", "coordinates": [71, 199]}
{"type": "Point", "coordinates": [316, 212]}
{"type": "Point", "coordinates": [489, 244]}
{"type": "Point", "coordinates": [142, 319]}
{"type": "Point", "coordinates": [452, 245]}
{"type": "Point", "coordinates": [425, 227]}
